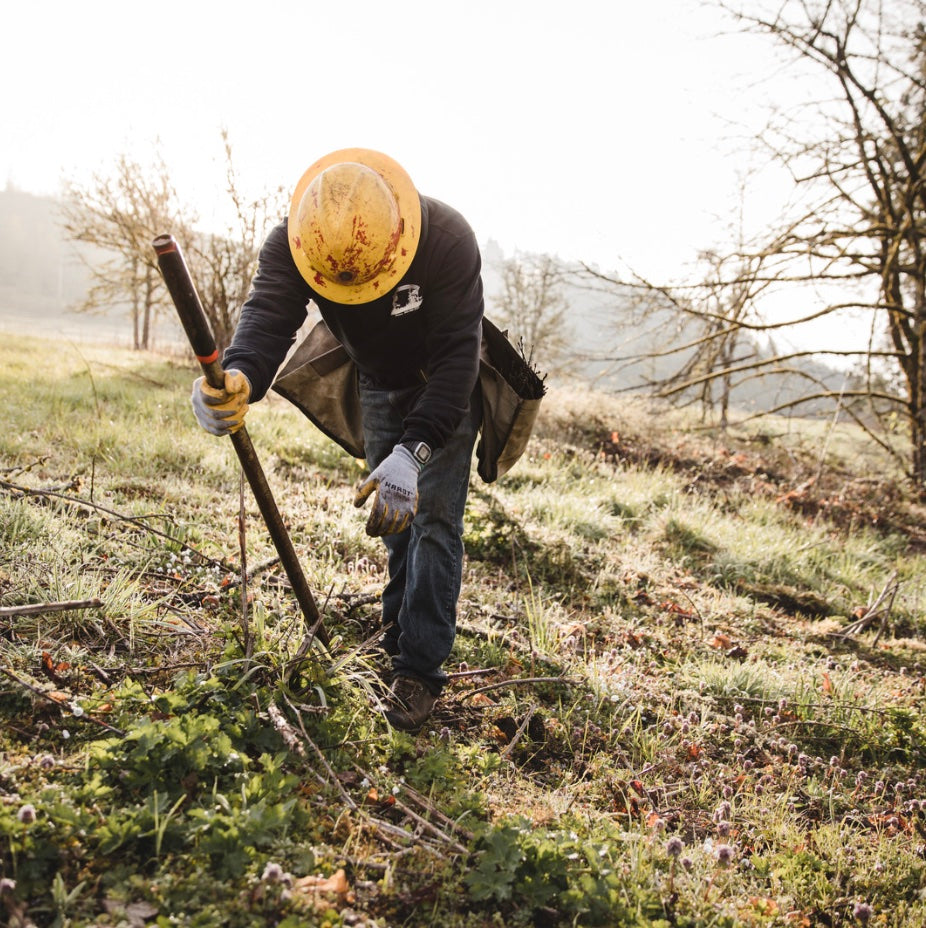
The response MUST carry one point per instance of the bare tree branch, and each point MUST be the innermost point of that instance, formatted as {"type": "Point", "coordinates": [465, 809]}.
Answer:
{"type": "Point", "coordinates": [855, 239]}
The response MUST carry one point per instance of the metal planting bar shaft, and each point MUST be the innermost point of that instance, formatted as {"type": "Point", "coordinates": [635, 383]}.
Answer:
{"type": "Point", "coordinates": [189, 308]}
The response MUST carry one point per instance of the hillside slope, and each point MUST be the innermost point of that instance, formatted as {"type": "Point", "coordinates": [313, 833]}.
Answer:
{"type": "Point", "coordinates": [687, 688]}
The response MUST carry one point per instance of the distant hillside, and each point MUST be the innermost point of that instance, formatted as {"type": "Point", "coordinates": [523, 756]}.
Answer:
{"type": "Point", "coordinates": [43, 277]}
{"type": "Point", "coordinates": [619, 344]}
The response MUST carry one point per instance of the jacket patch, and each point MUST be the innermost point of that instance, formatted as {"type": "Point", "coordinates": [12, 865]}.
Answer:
{"type": "Point", "coordinates": [406, 299]}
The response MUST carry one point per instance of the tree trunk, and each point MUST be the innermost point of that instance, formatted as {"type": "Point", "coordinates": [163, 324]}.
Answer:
{"type": "Point", "coordinates": [918, 406]}
{"type": "Point", "coordinates": [149, 299]}
{"type": "Point", "coordinates": [136, 335]}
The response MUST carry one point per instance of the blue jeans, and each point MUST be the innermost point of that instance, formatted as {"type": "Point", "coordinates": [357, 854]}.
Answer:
{"type": "Point", "coordinates": [426, 560]}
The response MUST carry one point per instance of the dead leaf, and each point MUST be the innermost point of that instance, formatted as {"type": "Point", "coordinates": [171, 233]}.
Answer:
{"type": "Point", "coordinates": [764, 905]}
{"type": "Point", "coordinates": [312, 889]}
{"type": "Point", "coordinates": [576, 628]}
{"type": "Point", "coordinates": [480, 699]}
{"type": "Point", "coordinates": [53, 669]}
{"type": "Point", "coordinates": [680, 611]}
{"type": "Point", "coordinates": [797, 918]}
{"type": "Point", "coordinates": [500, 736]}
{"type": "Point", "coordinates": [336, 883]}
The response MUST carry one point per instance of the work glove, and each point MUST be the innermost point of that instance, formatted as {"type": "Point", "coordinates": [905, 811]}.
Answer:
{"type": "Point", "coordinates": [396, 484]}
{"type": "Point", "coordinates": [221, 412]}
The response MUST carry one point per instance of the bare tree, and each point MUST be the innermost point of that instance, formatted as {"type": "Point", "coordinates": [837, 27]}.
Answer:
{"type": "Point", "coordinates": [532, 307]}
{"type": "Point", "coordinates": [223, 265]}
{"type": "Point", "coordinates": [708, 331]}
{"type": "Point", "coordinates": [119, 215]}
{"type": "Point", "coordinates": [866, 231]}
{"type": "Point", "coordinates": [719, 308]}
{"type": "Point", "coordinates": [857, 240]}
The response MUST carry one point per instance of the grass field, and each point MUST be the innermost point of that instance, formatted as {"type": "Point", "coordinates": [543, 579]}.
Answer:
{"type": "Point", "coordinates": [688, 685]}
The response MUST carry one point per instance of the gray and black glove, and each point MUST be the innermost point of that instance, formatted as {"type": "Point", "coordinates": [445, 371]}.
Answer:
{"type": "Point", "coordinates": [396, 484]}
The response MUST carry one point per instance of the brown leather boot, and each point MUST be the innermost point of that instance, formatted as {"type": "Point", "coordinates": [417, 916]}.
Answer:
{"type": "Point", "coordinates": [410, 703]}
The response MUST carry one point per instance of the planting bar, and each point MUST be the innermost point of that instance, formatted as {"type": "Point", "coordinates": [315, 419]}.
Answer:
{"type": "Point", "coordinates": [190, 309]}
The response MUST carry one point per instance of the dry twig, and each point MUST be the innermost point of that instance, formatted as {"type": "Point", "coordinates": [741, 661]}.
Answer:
{"type": "Point", "coordinates": [519, 734]}
{"type": "Point", "coordinates": [879, 609]}
{"type": "Point", "coordinates": [138, 521]}
{"type": "Point", "coordinates": [58, 701]}
{"type": "Point", "coordinates": [520, 681]}
{"type": "Point", "coordinates": [429, 809]}
{"type": "Point", "coordinates": [41, 608]}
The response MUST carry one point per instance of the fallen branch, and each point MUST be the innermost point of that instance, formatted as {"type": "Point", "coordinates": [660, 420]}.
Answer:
{"type": "Point", "coordinates": [263, 567]}
{"type": "Point", "coordinates": [40, 608]}
{"type": "Point", "coordinates": [367, 645]}
{"type": "Point", "coordinates": [429, 826]}
{"type": "Point", "coordinates": [519, 681]}
{"type": "Point", "coordinates": [426, 804]}
{"type": "Point", "coordinates": [24, 468]}
{"type": "Point", "coordinates": [58, 702]}
{"type": "Point", "coordinates": [519, 734]}
{"type": "Point", "coordinates": [430, 809]}
{"type": "Point", "coordinates": [332, 776]}
{"type": "Point", "coordinates": [879, 609]}
{"type": "Point", "coordinates": [479, 672]}
{"type": "Point", "coordinates": [289, 734]}
{"type": "Point", "coordinates": [848, 706]}
{"type": "Point", "coordinates": [388, 831]}
{"type": "Point", "coordinates": [138, 521]}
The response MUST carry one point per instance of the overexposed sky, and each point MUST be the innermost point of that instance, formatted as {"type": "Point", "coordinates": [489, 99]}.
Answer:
{"type": "Point", "coordinates": [597, 130]}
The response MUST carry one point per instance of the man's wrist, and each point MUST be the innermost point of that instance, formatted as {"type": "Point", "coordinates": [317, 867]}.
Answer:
{"type": "Point", "coordinates": [420, 451]}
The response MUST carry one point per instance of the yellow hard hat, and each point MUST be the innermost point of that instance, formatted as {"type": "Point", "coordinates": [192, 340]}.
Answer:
{"type": "Point", "coordinates": [354, 225]}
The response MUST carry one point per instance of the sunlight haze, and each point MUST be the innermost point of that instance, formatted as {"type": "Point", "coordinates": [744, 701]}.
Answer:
{"type": "Point", "coordinates": [611, 133]}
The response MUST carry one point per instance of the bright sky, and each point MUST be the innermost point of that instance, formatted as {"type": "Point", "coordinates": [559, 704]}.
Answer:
{"type": "Point", "coordinates": [598, 130]}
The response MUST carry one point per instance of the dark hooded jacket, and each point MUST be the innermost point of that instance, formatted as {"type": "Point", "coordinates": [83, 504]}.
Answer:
{"type": "Point", "coordinates": [425, 332]}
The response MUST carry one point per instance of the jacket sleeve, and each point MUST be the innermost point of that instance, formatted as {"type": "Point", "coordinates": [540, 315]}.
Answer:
{"type": "Point", "coordinates": [271, 315]}
{"type": "Point", "coordinates": [454, 307]}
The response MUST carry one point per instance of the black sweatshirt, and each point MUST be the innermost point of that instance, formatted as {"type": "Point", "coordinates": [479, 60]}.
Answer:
{"type": "Point", "coordinates": [426, 330]}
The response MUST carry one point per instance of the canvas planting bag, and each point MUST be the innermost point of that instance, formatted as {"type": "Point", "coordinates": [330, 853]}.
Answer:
{"type": "Point", "coordinates": [321, 381]}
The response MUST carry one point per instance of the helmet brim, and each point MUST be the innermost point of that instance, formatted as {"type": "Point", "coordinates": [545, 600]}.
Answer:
{"type": "Point", "coordinates": [410, 232]}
